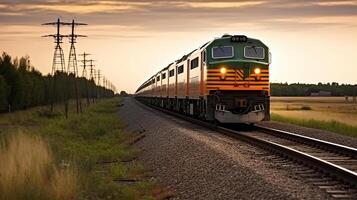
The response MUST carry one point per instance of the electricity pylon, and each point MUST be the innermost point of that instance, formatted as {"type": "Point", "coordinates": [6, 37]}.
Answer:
{"type": "Point", "coordinates": [58, 63]}
{"type": "Point", "coordinates": [84, 61]}
{"type": "Point", "coordinates": [72, 60]}
{"type": "Point", "coordinates": [84, 74]}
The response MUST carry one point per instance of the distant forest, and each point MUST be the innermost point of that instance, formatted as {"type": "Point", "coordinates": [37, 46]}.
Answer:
{"type": "Point", "coordinates": [301, 89]}
{"type": "Point", "coordinates": [22, 86]}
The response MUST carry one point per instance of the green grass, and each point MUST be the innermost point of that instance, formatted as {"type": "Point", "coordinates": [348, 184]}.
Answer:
{"type": "Point", "coordinates": [332, 126]}
{"type": "Point", "coordinates": [92, 143]}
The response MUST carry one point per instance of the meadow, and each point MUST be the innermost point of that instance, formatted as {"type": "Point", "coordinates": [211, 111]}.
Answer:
{"type": "Point", "coordinates": [336, 114]}
{"type": "Point", "coordinates": [87, 156]}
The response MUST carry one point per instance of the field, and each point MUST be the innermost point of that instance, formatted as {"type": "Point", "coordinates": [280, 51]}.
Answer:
{"type": "Point", "coordinates": [330, 113]}
{"type": "Point", "coordinates": [87, 156]}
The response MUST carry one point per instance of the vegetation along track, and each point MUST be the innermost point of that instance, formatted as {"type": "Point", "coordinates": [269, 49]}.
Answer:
{"type": "Point", "coordinates": [330, 166]}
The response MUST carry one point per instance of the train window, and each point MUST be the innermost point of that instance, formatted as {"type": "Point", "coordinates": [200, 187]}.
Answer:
{"type": "Point", "coordinates": [163, 76]}
{"type": "Point", "coordinates": [172, 73]}
{"type": "Point", "coordinates": [180, 69]}
{"type": "Point", "coordinates": [158, 78]}
{"type": "Point", "coordinates": [254, 52]}
{"type": "Point", "coordinates": [222, 52]}
{"type": "Point", "coordinates": [194, 63]}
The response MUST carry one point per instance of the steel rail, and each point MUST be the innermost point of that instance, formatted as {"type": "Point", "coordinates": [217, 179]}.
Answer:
{"type": "Point", "coordinates": [328, 146]}
{"type": "Point", "coordinates": [336, 171]}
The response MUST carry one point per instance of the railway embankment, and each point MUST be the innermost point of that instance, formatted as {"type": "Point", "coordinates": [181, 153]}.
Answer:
{"type": "Point", "coordinates": [197, 163]}
{"type": "Point", "coordinates": [43, 155]}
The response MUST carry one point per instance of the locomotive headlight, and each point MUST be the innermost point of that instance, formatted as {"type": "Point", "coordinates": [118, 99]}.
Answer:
{"type": "Point", "coordinates": [223, 71]}
{"type": "Point", "coordinates": [257, 70]}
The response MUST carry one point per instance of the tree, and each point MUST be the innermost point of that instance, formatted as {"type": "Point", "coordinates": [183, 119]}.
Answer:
{"type": "Point", "coordinates": [3, 94]}
{"type": "Point", "coordinates": [123, 94]}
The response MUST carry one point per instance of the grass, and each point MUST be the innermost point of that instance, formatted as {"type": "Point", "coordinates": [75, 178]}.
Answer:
{"type": "Point", "coordinates": [28, 171]}
{"type": "Point", "coordinates": [45, 156]}
{"type": "Point", "coordinates": [328, 113]}
{"type": "Point", "coordinates": [332, 126]}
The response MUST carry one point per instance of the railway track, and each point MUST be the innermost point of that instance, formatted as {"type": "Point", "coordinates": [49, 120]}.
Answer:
{"type": "Point", "coordinates": [329, 166]}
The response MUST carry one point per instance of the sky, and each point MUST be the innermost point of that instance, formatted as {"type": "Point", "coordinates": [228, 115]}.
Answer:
{"type": "Point", "coordinates": [310, 41]}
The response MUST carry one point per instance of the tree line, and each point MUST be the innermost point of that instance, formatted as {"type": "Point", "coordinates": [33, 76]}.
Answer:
{"type": "Point", "coordinates": [22, 86]}
{"type": "Point", "coordinates": [301, 89]}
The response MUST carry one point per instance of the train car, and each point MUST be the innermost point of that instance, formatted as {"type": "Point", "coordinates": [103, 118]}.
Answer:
{"type": "Point", "coordinates": [225, 80]}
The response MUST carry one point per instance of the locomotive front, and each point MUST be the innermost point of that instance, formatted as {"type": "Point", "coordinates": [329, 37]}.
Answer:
{"type": "Point", "coordinates": [237, 80]}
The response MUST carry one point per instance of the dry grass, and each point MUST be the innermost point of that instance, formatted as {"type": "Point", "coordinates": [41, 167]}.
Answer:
{"type": "Point", "coordinates": [345, 118]}
{"type": "Point", "coordinates": [64, 183]}
{"type": "Point", "coordinates": [320, 108]}
{"type": "Point", "coordinates": [328, 113]}
{"type": "Point", "coordinates": [28, 171]}
{"type": "Point", "coordinates": [34, 168]}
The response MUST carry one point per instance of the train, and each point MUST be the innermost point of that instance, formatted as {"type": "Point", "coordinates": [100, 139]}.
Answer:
{"type": "Point", "coordinates": [226, 80]}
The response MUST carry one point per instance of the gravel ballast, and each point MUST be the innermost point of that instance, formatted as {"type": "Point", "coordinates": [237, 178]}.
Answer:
{"type": "Point", "coordinates": [197, 163]}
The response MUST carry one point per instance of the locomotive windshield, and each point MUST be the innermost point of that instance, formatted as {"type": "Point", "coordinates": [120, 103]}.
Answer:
{"type": "Point", "coordinates": [222, 52]}
{"type": "Point", "coordinates": [254, 52]}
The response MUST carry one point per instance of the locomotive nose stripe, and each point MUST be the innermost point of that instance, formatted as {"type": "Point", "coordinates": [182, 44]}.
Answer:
{"type": "Point", "coordinates": [240, 74]}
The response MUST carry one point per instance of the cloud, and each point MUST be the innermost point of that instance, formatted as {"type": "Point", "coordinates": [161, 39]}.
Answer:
{"type": "Point", "coordinates": [337, 3]}
{"type": "Point", "coordinates": [219, 5]}
{"type": "Point", "coordinates": [77, 7]}
{"type": "Point", "coordinates": [181, 16]}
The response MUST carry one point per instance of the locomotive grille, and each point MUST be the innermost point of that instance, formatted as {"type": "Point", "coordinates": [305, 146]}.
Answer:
{"type": "Point", "coordinates": [237, 79]}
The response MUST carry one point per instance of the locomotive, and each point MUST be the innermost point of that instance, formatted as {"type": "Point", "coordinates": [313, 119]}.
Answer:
{"type": "Point", "coordinates": [226, 80]}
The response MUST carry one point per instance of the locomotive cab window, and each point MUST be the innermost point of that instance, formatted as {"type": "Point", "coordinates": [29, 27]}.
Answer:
{"type": "Point", "coordinates": [222, 52]}
{"type": "Point", "coordinates": [158, 78]}
{"type": "Point", "coordinates": [254, 52]}
{"type": "Point", "coordinates": [172, 73]}
{"type": "Point", "coordinates": [163, 76]}
{"type": "Point", "coordinates": [180, 69]}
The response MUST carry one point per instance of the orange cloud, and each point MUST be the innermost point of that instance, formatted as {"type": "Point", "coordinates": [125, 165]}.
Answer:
{"type": "Point", "coordinates": [77, 7]}
{"type": "Point", "coordinates": [223, 4]}
{"type": "Point", "coordinates": [337, 3]}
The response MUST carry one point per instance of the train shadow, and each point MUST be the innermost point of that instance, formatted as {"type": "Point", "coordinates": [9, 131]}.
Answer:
{"type": "Point", "coordinates": [239, 127]}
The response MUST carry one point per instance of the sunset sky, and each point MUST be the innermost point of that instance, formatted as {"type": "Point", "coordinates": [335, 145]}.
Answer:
{"type": "Point", "coordinates": [311, 41]}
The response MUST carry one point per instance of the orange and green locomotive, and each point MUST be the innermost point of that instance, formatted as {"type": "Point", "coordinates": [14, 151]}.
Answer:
{"type": "Point", "coordinates": [225, 80]}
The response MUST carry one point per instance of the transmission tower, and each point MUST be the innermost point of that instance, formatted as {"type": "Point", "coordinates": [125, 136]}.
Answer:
{"type": "Point", "coordinates": [58, 63]}
{"type": "Point", "coordinates": [92, 70]}
{"type": "Point", "coordinates": [72, 61]}
{"type": "Point", "coordinates": [84, 61]}
{"type": "Point", "coordinates": [98, 77]}
{"type": "Point", "coordinates": [98, 82]}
